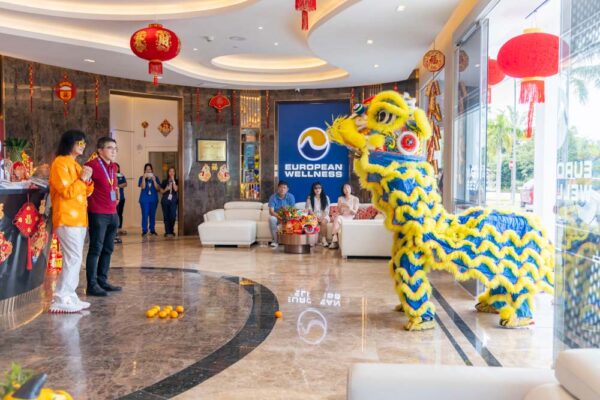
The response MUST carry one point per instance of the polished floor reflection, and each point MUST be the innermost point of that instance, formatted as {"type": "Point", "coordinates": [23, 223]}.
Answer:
{"type": "Point", "coordinates": [335, 312]}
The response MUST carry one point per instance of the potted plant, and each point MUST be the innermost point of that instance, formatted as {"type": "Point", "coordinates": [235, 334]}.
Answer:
{"type": "Point", "coordinates": [15, 147]}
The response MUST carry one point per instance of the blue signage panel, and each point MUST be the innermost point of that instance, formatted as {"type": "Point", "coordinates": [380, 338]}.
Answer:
{"type": "Point", "coordinates": [305, 153]}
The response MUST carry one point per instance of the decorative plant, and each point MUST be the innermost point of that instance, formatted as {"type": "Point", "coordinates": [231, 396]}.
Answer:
{"type": "Point", "coordinates": [295, 221]}
{"type": "Point", "coordinates": [14, 378]}
{"type": "Point", "coordinates": [15, 146]}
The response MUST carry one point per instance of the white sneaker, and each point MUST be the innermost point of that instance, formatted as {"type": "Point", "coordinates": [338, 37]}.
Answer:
{"type": "Point", "coordinates": [324, 242]}
{"type": "Point", "coordinates": [274, 245]}
{"type": "Point", "coordinates": [333, 245]}
{"type": "Point", "coordinates": [64, 307]}
{"type": "Point", "coordinates": [84, 304]}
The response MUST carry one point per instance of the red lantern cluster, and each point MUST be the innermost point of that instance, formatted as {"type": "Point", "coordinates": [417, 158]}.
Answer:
{"type": "Point", "coordinates": [305, 6]}
{"type": "Point", "coordinates": [531, 56]}
{"type": "Point", "coordinates": [155, 44]}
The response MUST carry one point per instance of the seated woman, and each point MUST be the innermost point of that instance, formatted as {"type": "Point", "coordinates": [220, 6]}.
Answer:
{"type": "Point", "coordinates": [347, 208]}
{"type": "Point", "coordinates": [317, 203]}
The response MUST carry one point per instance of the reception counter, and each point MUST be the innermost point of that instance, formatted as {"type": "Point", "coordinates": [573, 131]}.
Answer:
{"type": "Point", "coordinates": [19, 286]}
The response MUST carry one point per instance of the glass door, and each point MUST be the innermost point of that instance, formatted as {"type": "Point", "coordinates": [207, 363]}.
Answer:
{"type": "Point", "coordinates": [470, 118]}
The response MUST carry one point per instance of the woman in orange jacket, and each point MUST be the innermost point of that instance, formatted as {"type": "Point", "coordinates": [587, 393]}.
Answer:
{"type": "Point", "coordinates": [70, 186]}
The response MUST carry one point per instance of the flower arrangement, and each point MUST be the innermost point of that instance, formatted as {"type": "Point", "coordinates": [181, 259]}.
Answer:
{"type": "Point", "coordinates": [298, 222]}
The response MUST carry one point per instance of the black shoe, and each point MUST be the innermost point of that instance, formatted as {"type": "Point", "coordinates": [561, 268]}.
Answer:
{"type": "Point", "coordinates": [96, 291]}
{"type": "Point", "coordinates": [118, 240]}
{"type": "Point", "coordinates": [144, 234]}
{"type": "Point", "coordinates": [110, 288]}
{"type": "Point", "coordinates": [154, 233]}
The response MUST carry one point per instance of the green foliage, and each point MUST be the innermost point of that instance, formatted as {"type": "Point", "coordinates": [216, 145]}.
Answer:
{"type": "Point", "coordinates": [14, 378]}
{"type": "Point", "coordinates": [15, 146]}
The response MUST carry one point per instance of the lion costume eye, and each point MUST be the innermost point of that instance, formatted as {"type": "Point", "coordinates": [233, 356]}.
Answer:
{"type": "Point", "coordinates": [385, 117]}
{"type": "Point", "coordinates": [408, 143]}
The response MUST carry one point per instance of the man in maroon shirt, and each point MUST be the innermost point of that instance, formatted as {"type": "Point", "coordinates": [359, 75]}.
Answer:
{"type": "Point", "coordinates": [103, 219]}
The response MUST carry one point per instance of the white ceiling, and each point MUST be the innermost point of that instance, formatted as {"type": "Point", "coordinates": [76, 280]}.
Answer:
{"type": "Point", "coordinates": [222, 45]}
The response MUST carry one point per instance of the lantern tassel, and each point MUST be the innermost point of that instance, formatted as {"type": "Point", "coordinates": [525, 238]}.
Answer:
{"type": "Point", "coordinates": [530, 114]}
{"type": "Point", "coordinates": [29, 264]}
{"type": "Point", "coordinates": [155, 68]}
{"type": "Point", "coordinates": [155, 82]}
{"type": "Point", "coordinates": [532, 90]}
{"type": "Point", "coordinates": [306, 5]}
{"type": "Point", "coordinates": [489, 96]}
{"type": "Point", "coordinates": [304, 20]}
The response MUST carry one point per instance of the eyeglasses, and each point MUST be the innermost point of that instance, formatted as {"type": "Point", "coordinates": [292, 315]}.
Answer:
{"type": "Point", "coordinates": [111, 148]}
{"type": "Point", "coordinates": [80, 143]}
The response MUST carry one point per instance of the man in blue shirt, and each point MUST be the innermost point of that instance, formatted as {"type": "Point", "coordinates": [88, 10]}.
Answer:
{"type": "Point", "coordinates": [277, 200]}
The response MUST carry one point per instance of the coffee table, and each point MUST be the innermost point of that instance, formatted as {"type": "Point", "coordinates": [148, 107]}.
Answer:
{"type": "Point", "coordinates": [298, 244]}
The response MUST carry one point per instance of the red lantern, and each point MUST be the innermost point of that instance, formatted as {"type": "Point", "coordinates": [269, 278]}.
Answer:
{"type": "Point", "coordinates": [305, 6]}
{"type": "Point", "coordinates": [495, 76]}
{"type": "Point", "coordinates": [530, 56]}
{"type": "Point", "coordinates": [66, 91]}
{"type": "Point", "coordinates": [155, 44]}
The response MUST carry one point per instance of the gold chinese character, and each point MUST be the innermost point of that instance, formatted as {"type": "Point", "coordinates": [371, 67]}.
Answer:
{"type": "Point", "coordinates": [139, 40]}
{"type": "Point", "coordinates": [163, 41]}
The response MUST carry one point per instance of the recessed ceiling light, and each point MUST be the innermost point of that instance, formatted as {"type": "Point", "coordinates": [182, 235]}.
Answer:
{"type": "Point", "coordinates": [376, 66]}
{"type": "Point", "coordinates": [237, 38]}
{"type": "Point", "coordinates": [195, 49]}
{"type": "Point", "coordinates": [400, 8]}
{"type": "Point", "coordinates": [89, 60]}
{"type": "Point", "coordinates": [369, 41]}
{"type": "Point", "coordinates": [276, 43]}
{"type": "Point", "coordinates": [260, 28]}
{"type": "Point", "coordinates": [476, 65]}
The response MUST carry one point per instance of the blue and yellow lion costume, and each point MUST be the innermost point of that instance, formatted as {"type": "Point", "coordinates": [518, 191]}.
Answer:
{"type": "Point", "coordinates": [507, 252]}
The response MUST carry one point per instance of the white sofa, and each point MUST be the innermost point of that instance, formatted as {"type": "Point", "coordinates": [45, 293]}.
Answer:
{"type": "Point", "coordinates": [365, 238]}
{"type": "Point", "coordinates": [577, 376]}
{"type": "Point", "coordinates": [237, 223]}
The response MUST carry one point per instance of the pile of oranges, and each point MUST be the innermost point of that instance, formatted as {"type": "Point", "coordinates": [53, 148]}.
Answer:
{"type": "Point", "coordinates": [165, 312]}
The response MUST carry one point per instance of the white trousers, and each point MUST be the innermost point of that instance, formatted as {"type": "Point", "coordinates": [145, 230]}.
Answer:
{"type": "Point", "coordinates": [71, 244]}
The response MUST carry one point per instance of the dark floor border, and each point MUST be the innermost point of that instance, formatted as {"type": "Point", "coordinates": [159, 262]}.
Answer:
{"type": "Point", "coordinates": [258, 326]}
{"type": "Point", "coordinates": [477, 344]}
{"type": "Point", "coordinates": [453, 341]}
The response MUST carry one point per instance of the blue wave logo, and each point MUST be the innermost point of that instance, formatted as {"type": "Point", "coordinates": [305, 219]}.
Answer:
{"type": "Point", "coordinates": [313, 144]}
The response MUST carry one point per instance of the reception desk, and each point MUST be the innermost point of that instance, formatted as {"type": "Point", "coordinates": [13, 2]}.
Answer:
{"type": "Point", "coordinates": [21, 288]}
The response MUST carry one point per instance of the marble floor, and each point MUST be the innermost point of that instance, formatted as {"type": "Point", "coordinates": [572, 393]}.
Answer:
{"type": "Point", "coordinates": [228, 345]}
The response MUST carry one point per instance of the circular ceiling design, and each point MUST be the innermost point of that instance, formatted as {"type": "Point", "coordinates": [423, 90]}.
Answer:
{"type": "Point", "coordinates": [269, 63]}
{"type": "Point", "coordinates": [121, 10]}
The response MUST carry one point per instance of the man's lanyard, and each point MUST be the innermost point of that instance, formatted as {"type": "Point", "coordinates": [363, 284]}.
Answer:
{"type": "Point", "coordinates": [110, 180]}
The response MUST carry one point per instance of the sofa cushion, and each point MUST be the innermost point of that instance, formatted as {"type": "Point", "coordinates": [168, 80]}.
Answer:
{"type": "Point", "coordinates": [251, 205]}
{"type": "Point", "coordinates": [369, 212]}
{"type": "Point", "coordinates": [578, 371]}
{"type": "Point", "coordinates": [245, 214]}
{"type": "Point", "coordinates": [548, 391]}
{"type": "Point", "coordinates": [227, 232]}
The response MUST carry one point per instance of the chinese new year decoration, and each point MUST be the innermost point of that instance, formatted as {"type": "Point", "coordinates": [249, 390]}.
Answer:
{"type": "Point", "coordinates": [145, 125]}
{"type": "Point", "coordinates": [6, 248]}
{"type": "Point", "coordinates": [30, 87]}
{"type": "Point", "coordinates": [233, 108]}
{"type": "Point", "coordinates": [26, 221]}
{"type": "Point", "coordinates": [66, 91]}
{"type": "Point", "coordinates": [165, 127]}
{"type": "Point", "coordinates": [197, 105]}
{"type": "Point", "coordinates": [219, 102]}
{"type": "Point", "coordinates": [223, 175]}
{"type": "Point", "coordinates": [305, 6]}
{"type": "Point", "coordinates": [97, 97]}
{"type": "Point", "coordinates": [204, 174]}
{"type": "Point", "coordinates": [298, 222]}
{"type": "Point", "coordinates": [54, 255]}
{"type": "Point", "coordinates": [434, 60]}
{"type": "Point", "coordinates": [463, 60]}
{"type": "Point", "coordinates": [495, 76]}
{"type": "Point", "coordinates": [434, 114]}
{"type": "Point", "coordinates": [155, 44]}
{"type": "Point", "coordinates": [39, 239]}
{"type": "Point", "coordinates": [531, 57]}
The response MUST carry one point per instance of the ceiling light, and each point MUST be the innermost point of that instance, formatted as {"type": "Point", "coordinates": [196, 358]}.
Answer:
{"type": "Point", "coordinates": [369, 41]}
{"type": "Point", "coordinates": [400, 8]}
{"type": "Point", "coordinates": [276, 43]}
{"type": "Point", "coordinates": [195, 49]}
{"type": "Point", "coordinates": [476, 65]}
{"type": "Point", "coordinates": [260, 28]}
{"type": "Point", "coordinates": [376, 66]}
{"type": "Point", "coordinates": [89, 60]}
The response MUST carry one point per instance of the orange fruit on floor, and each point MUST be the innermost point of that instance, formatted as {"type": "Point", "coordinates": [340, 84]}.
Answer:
{"type": "Point", "coordinates": [174, 314]}
{"type": "Point", "coordinates": [168, 308]}
{"type": "Point", "coordinates": [278, 314]}
{"type": "Point", "coordinates": [163, 314]}
{"type": "Point", "coordinates": [179, 309]}
{"type": "Point", "coordinates": [151, 313]}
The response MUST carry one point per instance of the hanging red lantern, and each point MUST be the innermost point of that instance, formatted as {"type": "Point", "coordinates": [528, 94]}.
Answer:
{"type": "Point", "coordinates": [155, 44]}
{"type": "Point", "coordinates": [66, 91]}
{"type": "Point", "coordinates": [495, 76]}
{"type": "Point", "coordinates": [531, 56]}
{"type": "Point", "coordinates": [305, 6]}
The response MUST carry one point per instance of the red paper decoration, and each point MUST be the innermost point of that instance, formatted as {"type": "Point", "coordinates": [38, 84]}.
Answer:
{"type": "Point", "coordinates": [219, 102]}
{"type": "Point", "coordinates": [26, 221]}
{"type": "Point", "coordinates": [434, 60]}
{"type": "Point", "coordinates": [233, 108]}
{"type": "Point", "coordinates": [530, 56]}
{"type": "Point", "coordinates": [198, 105]}
{"type": "Point", "coordinates": [97, 96]}
{"type": "Point", "coordinates": [305, 6]}
{"type": "Point", "coordinates": [30, 87]}
{"type": "Point", "coordinates": [39, 239]}
{"type": "Point", "coordinates": [66, 91]}
{"type": "Point", "coordinates": [155, 44]}
{"type": "Point", "coordinates": [6, 248]}
{"type": "Point", "coordinates": [495, 76]}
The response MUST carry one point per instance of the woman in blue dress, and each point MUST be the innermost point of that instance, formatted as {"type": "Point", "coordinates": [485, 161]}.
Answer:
{"type": "Point", "coordinates": [150, 187]}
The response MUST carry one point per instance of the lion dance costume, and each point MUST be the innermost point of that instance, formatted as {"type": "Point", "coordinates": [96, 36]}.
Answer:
{"type": "Point", "coordinates": [508, 252]}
